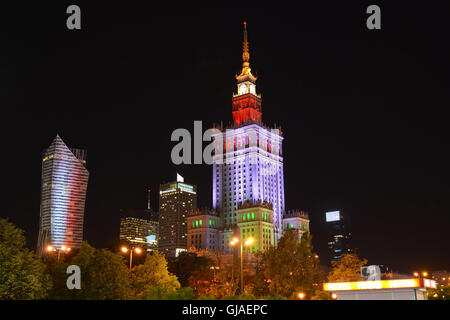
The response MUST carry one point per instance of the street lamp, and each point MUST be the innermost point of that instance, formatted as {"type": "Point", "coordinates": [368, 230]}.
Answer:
{"type": "Point", "coordinates": [135, 249]}
{"type": "Point", "coordinates": [425, 274]}
{"type": "Point", "coordinates": [247, 243]}
{"type": "Point", "coordinates": [301, 295]}
{"type": "Point", "coordinates": [416, 274]}
{"type": "Point", "coordinates": [333, 296]}
{"type": "Point", "coordinates": [62, 249]}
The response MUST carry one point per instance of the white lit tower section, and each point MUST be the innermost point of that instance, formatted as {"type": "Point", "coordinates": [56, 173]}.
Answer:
{"type": "Point", "coordinates": [63, 196]}
{"type": "Point", "coordinates": [250, 164]}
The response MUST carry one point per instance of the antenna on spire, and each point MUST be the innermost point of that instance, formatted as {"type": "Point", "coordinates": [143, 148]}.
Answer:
{"type": "Point", "coordinates": [148, 199]}
{"type": "Point", "coordinates": [246, 53]}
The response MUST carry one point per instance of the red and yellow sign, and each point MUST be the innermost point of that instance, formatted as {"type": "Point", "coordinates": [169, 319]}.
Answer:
{"type": "Point", "coordinates": [380, 284]}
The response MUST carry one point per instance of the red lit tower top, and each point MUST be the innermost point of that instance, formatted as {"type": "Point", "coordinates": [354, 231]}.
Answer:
{"type": "Point", "coordinates": [246, 103]}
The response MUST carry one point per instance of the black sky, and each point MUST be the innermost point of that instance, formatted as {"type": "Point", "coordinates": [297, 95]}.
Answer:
{"type": "Point", "coordinates": [363, 112]}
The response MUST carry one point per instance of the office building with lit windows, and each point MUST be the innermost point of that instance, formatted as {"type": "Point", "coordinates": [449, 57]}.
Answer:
{"type": "Point", "coordinates": [176, 201]}
{"type": "Point", "coordinates": [63, 196]}
{"type": "Point", "coordinates": [140, 228]}
{"type": "Point", "coordinates": [339, 237]}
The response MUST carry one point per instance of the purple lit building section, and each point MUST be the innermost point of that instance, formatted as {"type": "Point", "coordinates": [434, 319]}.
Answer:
{"type": "Point", "coordinates": [63, 196]}
{"type": "Point", "coordinates": [251, 164]}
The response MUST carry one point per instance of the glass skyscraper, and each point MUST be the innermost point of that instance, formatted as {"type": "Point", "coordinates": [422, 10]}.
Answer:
{"type": "Point", "coordinates": [63, 196]}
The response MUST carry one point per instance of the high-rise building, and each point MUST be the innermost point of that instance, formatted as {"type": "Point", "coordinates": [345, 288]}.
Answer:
{"type": "Point", "coordinates": [176, 201]}
{"type": "Point", "coordinates": [250, 168]}
{"type": "Point", "coordinates": [63, 196]}
{"type": "Point", "coordinates": [140, 227]}
{"type": "Point", "coordinates": [339, 237]}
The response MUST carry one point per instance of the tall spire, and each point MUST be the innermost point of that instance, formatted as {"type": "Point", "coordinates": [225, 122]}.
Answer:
{"type": "Point", "coordinates": [245, 54]}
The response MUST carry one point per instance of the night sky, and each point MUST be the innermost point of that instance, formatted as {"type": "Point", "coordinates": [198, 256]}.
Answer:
{"type": "Point", "coordinates": [363, 112]}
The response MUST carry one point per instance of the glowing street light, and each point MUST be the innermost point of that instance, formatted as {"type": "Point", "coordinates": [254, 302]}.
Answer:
{"type": "Point", "coordinates": [301, 295]}
{"type": "Point", "coordinates": [62, 249]}
{"type": "Point", "coordinates": [425, 274]}
{"type": "Point", "coordinates": [247, 243]}
{"type": "Point", "coordinates": [333, 296]}
{"type": "Point", "coordinates": [416, 274]}
{"type": "Point", "coordinates": [135, 249]}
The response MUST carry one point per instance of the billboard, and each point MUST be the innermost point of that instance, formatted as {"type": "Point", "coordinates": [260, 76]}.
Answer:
{"type": "Point", "coordinates": [333, 216]}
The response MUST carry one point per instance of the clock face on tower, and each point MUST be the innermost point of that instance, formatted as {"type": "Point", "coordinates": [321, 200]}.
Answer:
{"type": "Point", "coordinates": [252, 89]}
{"type": "Point", "coordinates": [242, 88]}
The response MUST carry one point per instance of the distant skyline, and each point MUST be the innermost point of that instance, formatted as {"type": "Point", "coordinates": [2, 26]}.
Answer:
{"type": "Point", "coordinates": [363, 112]}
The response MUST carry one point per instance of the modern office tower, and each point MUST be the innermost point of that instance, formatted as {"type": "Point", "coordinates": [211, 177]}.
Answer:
{"type": "Point", "coordinates": [255, 219]}
{"type": "Point", "coordinates": [296, 220]}
{"type": "Point", "coordinates": [63, 196]}
{"type": "Point", "coordinates": [251, 164]}
{"type": "Point", "coordinates": [176, 201]}
{"type": "Point", "coordinates": [140, 228]}
{"type": "Point", "coordinates": [339, 238]}
{"type": "Point", "coordinates": [203, 230]}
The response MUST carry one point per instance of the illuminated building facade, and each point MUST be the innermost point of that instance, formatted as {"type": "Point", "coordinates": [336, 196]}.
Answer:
{"type": "Point", "coordinates": [140, 227]}
{"type": "Point", "coordinates": [251, 164]}
{"type": "Point", "coordinates": [203, 230]}
{"type": "Point", "coordinates": [339, 238]}
{"type": "Point", "coordinates": [63, 196]}
{"type": "Point", "coordinates": [255, 220]}
{"type": "Point", "coordinates": [296, 220]}
{"type": "Point", "coordinates": [398, 289]}
{"type": "Point", "coordinates": [176, 201]}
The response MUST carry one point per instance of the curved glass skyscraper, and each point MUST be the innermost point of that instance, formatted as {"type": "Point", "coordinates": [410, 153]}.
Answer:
{"type": "Point", "coordinates": [63, 196]}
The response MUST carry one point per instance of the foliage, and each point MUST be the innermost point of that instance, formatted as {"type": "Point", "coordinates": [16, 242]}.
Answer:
{"type": "Point", "coordinates": [275, 298]}
{"type": "Point", "coordinates": [189, 267]}
{"type": "Point", "coordinates": [104, 275]}
{"type": "Point", "coordinates": [441, 293]}
{"type": "Point", "coordinates": [160, 293]}
{"type": "Point", "coordinates": [321, 295]}
{"type": "Point", "coordinates": [347, 268]}
{"type": "Point", "coordinates": [244, 296]}
{"type": "Point", "coordinates": [218, 282]}
{"type": "Point", "coordinates": [207, 298]}
{"type": "Point", "coordinates": [152, 279]}
{"type": "Point", "coordinates": [22, 274]}
{"type": "Point", "coordinates": [291, 267]}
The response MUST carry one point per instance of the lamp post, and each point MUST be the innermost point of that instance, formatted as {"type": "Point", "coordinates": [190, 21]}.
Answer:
{"type": "Point", "coordinates": [136, 249]}
{"type": "Point", "coordinates": [62, 249]}
{"type": "Point", "coordinates": [247, 243]}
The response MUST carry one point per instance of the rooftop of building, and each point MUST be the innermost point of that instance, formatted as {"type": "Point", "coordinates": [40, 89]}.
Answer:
{"type": "Point", "coordinates": [296, 214]}
{"type": "Point", "coordinates": [204, 211]}
{"type": "Point", "coordinates": [147, 214]}
{"type": "Point", "coordinates": [254, 204]}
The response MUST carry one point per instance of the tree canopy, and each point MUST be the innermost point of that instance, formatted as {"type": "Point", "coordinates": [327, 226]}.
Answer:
{"type": "Point", "coordinates": [347, 268]}
{"type": "Point", "coordinates": [291, 267]}
{"type": "Point", "coordinates": [22, 274]}
{"type": "Point", "coordinates": [153, 274]}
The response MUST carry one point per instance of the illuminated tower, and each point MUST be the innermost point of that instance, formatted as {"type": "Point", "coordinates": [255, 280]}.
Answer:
{"type": "Point", "coordinates": [251, 164]}
{"type": "Point", "coordinates": [63, 196]}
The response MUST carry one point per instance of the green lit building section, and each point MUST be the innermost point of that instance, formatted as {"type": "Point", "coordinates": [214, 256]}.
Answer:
{"type": "Point", "coordinates": [203, 230]}
{"type": "Point", "coordinates": [296, 220]}
{"type": "Point", "coordinates": [256, 220]}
